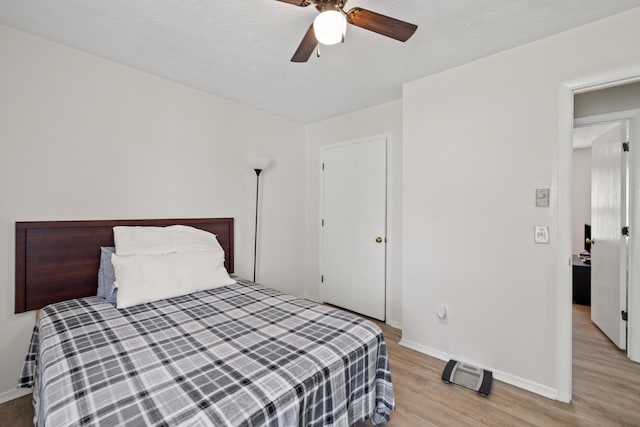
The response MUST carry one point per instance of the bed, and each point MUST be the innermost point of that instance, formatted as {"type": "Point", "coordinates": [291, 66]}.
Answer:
{"type": "Point", "coordinates": [239, 355]}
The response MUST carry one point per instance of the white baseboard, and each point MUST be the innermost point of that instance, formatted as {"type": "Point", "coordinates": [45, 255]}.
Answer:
{"type": "Point", "coordinates": [310, 298]}
{"type": "Point", "coordinates": [505, 377]}
{"type": "Point", "coordinates": [429, 351]}
{"type": "Point", "coordinates": [525, 384]}
{"type": "Point", "coordinates": [394, 324]}
{"type": "Point", "coordinates": [15, 393]}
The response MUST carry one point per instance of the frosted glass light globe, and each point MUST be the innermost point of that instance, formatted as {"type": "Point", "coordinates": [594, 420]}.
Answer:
{"type": "Point", "coordinates": [330, 27]}
{"type": "Point", "coordinates": [256, 162]}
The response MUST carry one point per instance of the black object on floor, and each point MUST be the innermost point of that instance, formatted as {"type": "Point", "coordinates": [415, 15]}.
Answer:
{"type": "Point", "coordinates": [468, 376]}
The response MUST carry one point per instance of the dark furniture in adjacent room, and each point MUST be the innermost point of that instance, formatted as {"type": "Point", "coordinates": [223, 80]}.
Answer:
{"type": "Point", "coordinates": [581, 281]}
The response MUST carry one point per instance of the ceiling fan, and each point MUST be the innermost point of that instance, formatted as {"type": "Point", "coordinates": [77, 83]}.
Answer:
{"type": "Point", "coordinates": [330, 25]}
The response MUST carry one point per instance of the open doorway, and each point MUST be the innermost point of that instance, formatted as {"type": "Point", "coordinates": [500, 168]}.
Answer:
{"type": "Point", "coordinates": [600, 219]}
{"type": "Point", "coordinates": [610, 110]}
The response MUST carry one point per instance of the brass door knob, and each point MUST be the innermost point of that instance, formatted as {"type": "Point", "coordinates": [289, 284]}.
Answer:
{"type": "Point", "coordinates": [378, 239]}
{"type": "Point", "coordinates": [590, 241]}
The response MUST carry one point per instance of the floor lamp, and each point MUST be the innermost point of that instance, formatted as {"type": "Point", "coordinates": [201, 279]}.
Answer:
{"type": "Point", "coordinates": [258, 164]}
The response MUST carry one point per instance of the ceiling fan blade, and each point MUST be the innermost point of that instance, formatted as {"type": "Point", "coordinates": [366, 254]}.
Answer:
{"type": "Point", "coordinates": [381, 24]}
{"type": "Point", "coordinates": [305, 49]}
{"type": "Point", "coordinates": [301, 3]}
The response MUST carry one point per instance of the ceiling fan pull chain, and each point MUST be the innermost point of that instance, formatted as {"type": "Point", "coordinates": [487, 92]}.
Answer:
{"type": "Point", "coordinates": [318, 50]}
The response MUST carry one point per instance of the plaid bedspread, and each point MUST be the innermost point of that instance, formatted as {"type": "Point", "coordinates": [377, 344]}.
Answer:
{"type": "Point", "coordinates": [240, 355]}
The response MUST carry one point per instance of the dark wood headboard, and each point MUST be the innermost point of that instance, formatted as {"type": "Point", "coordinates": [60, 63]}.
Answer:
{"type": "Point", "coordinates": [59, 260]}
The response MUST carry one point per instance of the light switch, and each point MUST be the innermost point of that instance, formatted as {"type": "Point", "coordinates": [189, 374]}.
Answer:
{"type": "Point", "coordinates": [541, 234]}
{"type": "Point", "coordinates": [542, 197]}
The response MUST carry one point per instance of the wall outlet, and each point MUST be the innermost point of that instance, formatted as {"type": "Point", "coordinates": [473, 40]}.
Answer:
{"type": "Point", "coordinates": [442, 313]}
{"type": "Point", "coordinates": [541, 234]}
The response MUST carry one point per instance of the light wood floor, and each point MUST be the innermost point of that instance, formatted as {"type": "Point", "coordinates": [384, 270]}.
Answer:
{"type": "Point", "coordinates": [606, 390]}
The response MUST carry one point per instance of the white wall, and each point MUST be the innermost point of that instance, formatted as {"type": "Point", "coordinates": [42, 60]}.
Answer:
{"type": "Point", "coordinates": [384, 120]}
{"type": "Point", "coordinates": [478, 140]}
{"type": "Point", "coordinates": [84, 138]}
{"type": "Point", "coordinates": [580, 197]}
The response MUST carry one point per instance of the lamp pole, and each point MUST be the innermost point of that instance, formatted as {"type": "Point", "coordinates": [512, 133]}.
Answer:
{"type": "Point", "coordinates": [255, 234]}
{"type": "Point", "coordinates": [258, 164]}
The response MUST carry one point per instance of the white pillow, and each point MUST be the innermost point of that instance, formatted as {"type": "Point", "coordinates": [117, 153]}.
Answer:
{"type": "Point", "coordinates": [146, 278]}
{"type": "Point", "coordinates": [163, 240]}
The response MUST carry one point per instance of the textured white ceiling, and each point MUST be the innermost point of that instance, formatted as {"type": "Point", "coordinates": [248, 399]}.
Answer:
{"type": "Point", "coordinates": [240, 49]}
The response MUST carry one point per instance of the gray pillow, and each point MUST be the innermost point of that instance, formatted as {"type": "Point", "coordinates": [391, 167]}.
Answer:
{"type": "Point", "coordinates": [106, 275]}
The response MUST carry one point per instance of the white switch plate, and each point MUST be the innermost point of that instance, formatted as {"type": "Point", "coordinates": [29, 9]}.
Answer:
{"type": "Point", "coordinates": [541, 234]}
{"type": "Point", "coordinates": [542, 197]}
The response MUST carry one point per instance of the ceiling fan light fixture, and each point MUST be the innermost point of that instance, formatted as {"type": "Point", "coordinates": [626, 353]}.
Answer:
{"type": "Point", "coordinates": [330, 27]}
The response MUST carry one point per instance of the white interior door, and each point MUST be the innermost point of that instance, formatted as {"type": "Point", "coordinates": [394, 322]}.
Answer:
{"type": "Point", "coordinates": [609, 248]}
{"type": "Point", "coordinates": [353, 252]}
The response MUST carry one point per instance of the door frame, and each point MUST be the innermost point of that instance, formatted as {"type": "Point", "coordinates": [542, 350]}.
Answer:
{"type": "Point", "coordinates": [562, 178]}
{"type": "Point", "coordinates": [388, 230]}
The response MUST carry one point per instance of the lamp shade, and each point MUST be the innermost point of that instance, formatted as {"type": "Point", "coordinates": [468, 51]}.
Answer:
{"type": "Point", "coordinates": [330, 27]}
{"type": "Point", "coordinates": [258, 163]}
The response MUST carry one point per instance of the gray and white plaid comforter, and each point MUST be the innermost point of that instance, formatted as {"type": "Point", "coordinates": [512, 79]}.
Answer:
{"type": "Point", "coordinates": [240, 355]}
